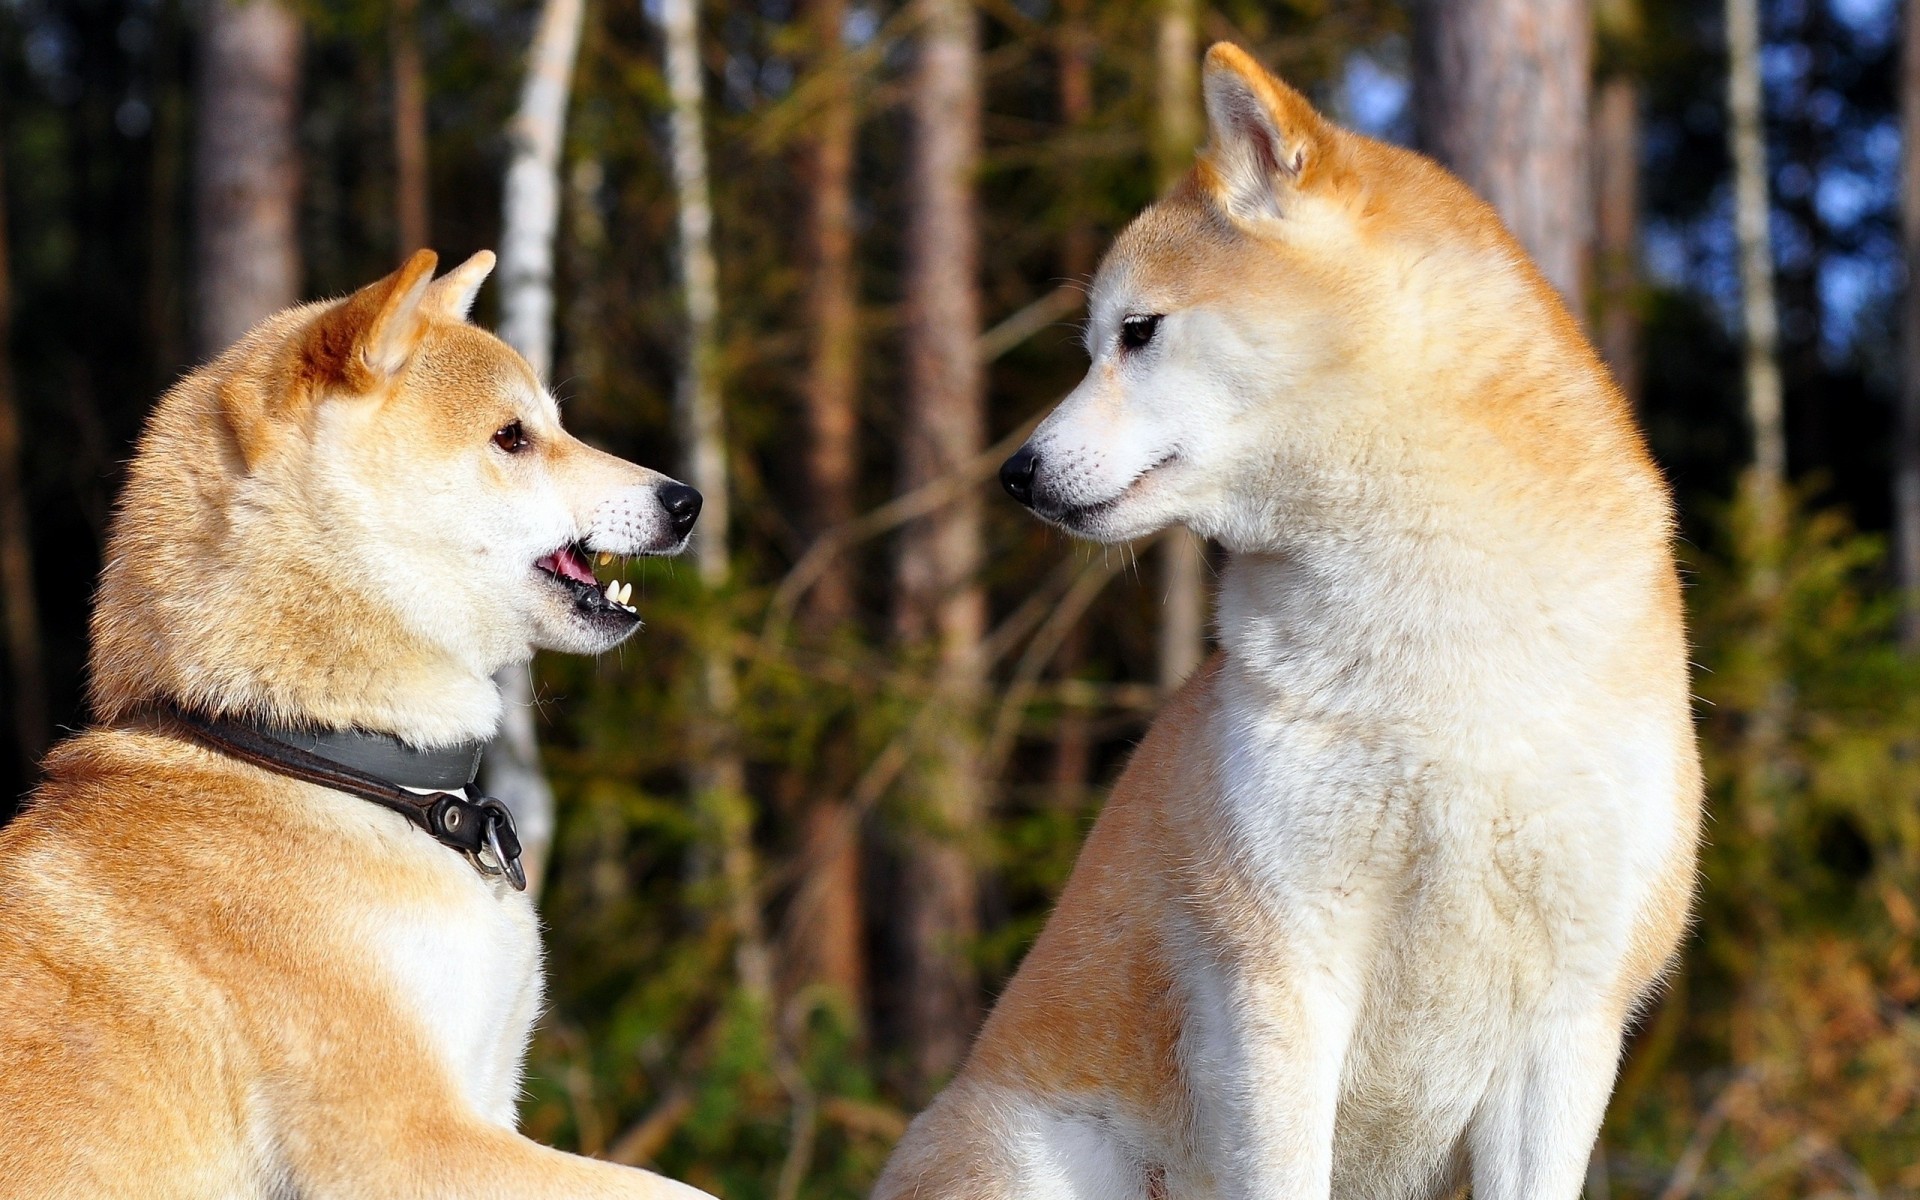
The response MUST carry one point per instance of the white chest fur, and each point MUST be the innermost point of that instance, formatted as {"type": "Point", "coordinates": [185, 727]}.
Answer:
{"type": "Point", "coordinates": [465, 961]}
{"type": "Point", "coordinates": [1453, 832]}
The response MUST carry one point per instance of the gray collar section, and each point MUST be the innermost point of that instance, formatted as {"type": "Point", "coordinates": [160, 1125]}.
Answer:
{"type": "Point", "coordinates": [387, 757]}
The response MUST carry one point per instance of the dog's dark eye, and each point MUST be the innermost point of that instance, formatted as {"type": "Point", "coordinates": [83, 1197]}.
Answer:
{"type": "Point", "coordinates": [511, 438]}
{"type": "Point", "coordinates": [1136, 332]}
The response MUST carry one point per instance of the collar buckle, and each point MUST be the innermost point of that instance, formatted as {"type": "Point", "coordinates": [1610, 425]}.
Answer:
{"type": "Point", "coordinates": [503, 843]}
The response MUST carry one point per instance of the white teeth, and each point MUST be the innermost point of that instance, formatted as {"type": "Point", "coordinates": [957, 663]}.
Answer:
{"type": "Point", "coordinates": [613, 591]}
{"type": "Point", "coordinates": [626, 594]}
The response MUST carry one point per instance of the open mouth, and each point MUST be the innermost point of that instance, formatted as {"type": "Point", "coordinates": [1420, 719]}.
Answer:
{"type": "Point", "coordinates": [571, 568]}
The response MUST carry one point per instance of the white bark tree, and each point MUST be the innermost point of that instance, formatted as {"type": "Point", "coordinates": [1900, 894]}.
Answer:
{"type": "Point", "coordinates": [1759, 316]}
{"type": "Point", "coordinates": [718, 774]}
{"type": "Point", "coordinates": [530, 217]}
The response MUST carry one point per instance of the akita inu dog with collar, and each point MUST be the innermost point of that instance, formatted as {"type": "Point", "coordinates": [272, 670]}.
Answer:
{"type": "Point", "coordinates": [256, 938]}
{"type": "Point", "coordinates": [1369, 909]}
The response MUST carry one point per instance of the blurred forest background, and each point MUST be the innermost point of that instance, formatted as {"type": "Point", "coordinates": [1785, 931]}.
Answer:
{"type": "Point", "coordinates": [823, 259]}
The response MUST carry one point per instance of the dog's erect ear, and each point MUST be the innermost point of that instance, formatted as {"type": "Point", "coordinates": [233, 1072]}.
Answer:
{"type": "Point", "coordinates": [1263, 138]}
{"type": "Point", "coordinates": [355, 346]}
{"type": "Point", "coordinates": [366, 339]}
{"type": "Point", "coordinates": [452, 294]}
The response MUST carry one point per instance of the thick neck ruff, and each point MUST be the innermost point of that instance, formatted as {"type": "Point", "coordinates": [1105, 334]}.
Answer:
{"type": "Point", "coordinates": [427, 787]}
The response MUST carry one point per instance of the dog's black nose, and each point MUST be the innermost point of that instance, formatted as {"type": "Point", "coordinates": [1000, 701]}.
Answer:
{"type": "Point", "coordinates": [1016, 475]}
{"type": "Point", "coordinates": [682, 504]}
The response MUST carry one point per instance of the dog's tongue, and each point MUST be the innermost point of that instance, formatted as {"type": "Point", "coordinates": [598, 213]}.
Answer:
{"type": "Point", "coordinates": [568, 565]}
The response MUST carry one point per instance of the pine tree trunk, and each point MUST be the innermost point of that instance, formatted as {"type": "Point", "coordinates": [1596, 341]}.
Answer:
{"type": "Point", "coordinates": [825, 943]}
{"type": "Point", "coordinates": [718, 774]}
{"type": "Point", "coordinates": [1072, 763]}
{"type": "Point", "coordinates": [409, 129]}
{"type": "Point", "coordinates": [1502, 89]}
{"type": "Point", "coordinates": [938, 602]}
{"type": "Point", "coordinates": [530, 217]}
{"type": "Point", "coordinates": [246, 168]}
{"type": "Point", "coordinates": [1906, 479]}
{"type": "Point", "coordinates": [1616, 245]}
{"type": "Point", "coordinates": [1183, 616]}
{"type": "Point", "coordinates": [28, 695]}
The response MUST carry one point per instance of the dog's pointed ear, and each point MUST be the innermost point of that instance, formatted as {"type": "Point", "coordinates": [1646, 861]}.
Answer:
{"type": "Point", "coordinates": [1263, 138]}
{"type": "Point", "coordinates": [366, 339]}
{"type": "Point", "coordinates": [452, 294]}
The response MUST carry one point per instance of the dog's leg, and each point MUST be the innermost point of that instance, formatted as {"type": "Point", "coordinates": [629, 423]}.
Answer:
{"type": "Point", "coordinates": [1270, 1049]}
{"type": "Point", "coordinates": [1534, 1132]}
{"type": "Point", "coordinates": [984, 1142]}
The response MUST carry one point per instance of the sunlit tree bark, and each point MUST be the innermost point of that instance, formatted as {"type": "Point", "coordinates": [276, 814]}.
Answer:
{"type": "Point", "coordinates": [825, 946]}
{"type": "Point", "coordinates": [1615, 151]}
{"type": "Point", "coordinates": [529, 218]}
{"type": "Point", "coordinates": [939, 605]}
{"type": "Point", "coordinates": [1502, 92]}
{"type": "Point", "coordinates": [1183, 615]}
{"type": "Point", "coordinates": [1072, 764]}
{"type": "Point", "coordinates": [409, 128]}
{"type": "Point", "coordinates": [246, 168]}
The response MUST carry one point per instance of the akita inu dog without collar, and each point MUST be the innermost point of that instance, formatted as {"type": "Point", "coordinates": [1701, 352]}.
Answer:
{"type": "Point", "coordinates": [220, 981]}
{"type": "Point", "coordinates": [1368, 910]}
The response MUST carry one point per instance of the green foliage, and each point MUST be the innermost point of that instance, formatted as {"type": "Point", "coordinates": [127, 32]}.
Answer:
{"type": "Point", "coordinates": [1785, 1050]}
{"type": "Point", "coordinates": [1788, 1048]}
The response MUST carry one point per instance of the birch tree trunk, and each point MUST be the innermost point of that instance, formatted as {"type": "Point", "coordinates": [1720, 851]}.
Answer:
{"type": "Point", "coordinates": [1906, 478]}
{"type": "Point", "coordinates": [1183, 617]}
{"type": "Point", "coordinates": [1759, 318]}
{"type": "Point", "coordinates": [529, 218]}
{"type": "Point", "coordinates": [719, 776]}
{"type": "Point", "coordinates": [938, 600]}
{"type": "Point", "coordinates": [25, 674]}
{"type": "Point", "coordinates": [409, 128]}
{"type": "Point", "coordinates": [1503, 88]}
{"type": "Point", "coordinates": [246, 169]}
{"type": "Point", "coordinates": [825, 939]}
{"type": "Point", "coordinates": [1762, 770]}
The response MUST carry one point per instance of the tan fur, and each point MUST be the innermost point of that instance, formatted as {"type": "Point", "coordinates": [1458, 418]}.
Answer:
{"type": "Point", "coordinates": [218, 982]}
{"type": "Point", "coordinates": [1370, 905]}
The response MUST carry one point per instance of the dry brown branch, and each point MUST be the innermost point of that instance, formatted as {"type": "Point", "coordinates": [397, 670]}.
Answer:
{"type": "Point", "coordinates": [1023, 323]}
{"type": "Point", "coordinates": [889, 516]}
{"type": "Point", "coordinates": [805, 1109]}
{"type": "Point", "coordinates": [861, 1117]}
{"type": "Point", "coordinates": [1046, 643]}
{"type": "Point", "coordinates": [1687, 1168]}
{"type": "Point", "coordinates": [645, 1138]}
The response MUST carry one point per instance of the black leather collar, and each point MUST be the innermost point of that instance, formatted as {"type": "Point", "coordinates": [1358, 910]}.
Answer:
{"type": "Point", "coordinates": [380, 768]}
{"type": "Point", "coordinates": [387, 757]}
